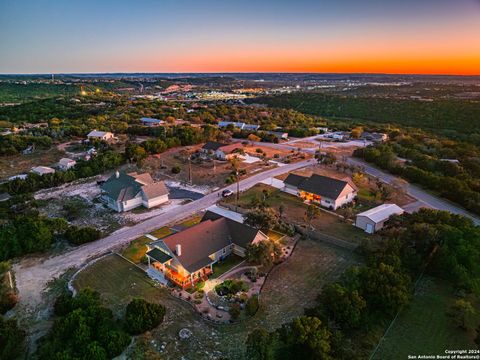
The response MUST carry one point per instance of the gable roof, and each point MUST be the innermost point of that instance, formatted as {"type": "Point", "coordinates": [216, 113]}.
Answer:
{"type": "Point", "coordinates": [126, 186]}
{"type": "Point", "coordinates": [212, 234]}
{"type": "Point", "coordinates": [324, 186]}
{"type": "Point", "coordinates": [151, 120]}
{"type": "Point", "coordinates": [212, 145]}
{"type": "Point", "coordinates": [382, 212]}
{"type": "Point", "coordinates": [96, 133]}
{"type": "Point", "coordinates": [66, 161]}
{"type": "Point", "coordinates": [294, 179]}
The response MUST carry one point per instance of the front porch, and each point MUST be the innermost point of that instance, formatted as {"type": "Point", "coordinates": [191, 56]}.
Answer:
{"type": "Point", "coordinates": [187, 281]}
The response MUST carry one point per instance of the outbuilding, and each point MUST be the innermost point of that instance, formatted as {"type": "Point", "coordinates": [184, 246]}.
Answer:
{"type": "Point", "coordinates": [373, 220]}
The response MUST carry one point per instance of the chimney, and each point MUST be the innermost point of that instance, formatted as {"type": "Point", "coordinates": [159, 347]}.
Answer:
{"type": "Point", "coordinates": [178, 249]}
{"type": "Point", "coordinates": [117, 174]}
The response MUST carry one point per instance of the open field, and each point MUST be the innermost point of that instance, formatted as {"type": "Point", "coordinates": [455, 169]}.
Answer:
{"type": "Point", "coordinates": [19, 164]}
{"type": "Point", "coordinates": [424, 327]}
{"type": "Point", "coordinates": [294, 211]}
{"type": "Point", "coordinates": [290, 288]}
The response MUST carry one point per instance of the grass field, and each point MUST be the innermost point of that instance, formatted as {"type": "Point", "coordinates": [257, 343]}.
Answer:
{"type": "Point", "coordinates": [290, 288]}
{"type": "Point", "coordinates": [137, 249]}
{"type": "Point", "coordinates": [162, 232]}
{"type": "Point", "coordinates": [424, 327]}
{"type": "Point", "coordinates": [294, 210]}
{"type": "Point", "coordinates": [221, 268]}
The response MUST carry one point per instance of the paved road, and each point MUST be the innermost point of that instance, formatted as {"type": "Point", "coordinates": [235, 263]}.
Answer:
{"type": "Point", "coordinates": [33, 275]}
{"type": "Point", "coordinates": [421, 195]}
{"type": "Point", "coordinates": [424, 199]}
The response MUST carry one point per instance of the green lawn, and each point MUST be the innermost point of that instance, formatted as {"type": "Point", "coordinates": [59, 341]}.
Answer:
{"type": "Point", "coordinates": [118, 281]}
{"type": "Point", "coordinates": [162, 232]}
{"type": "Point", "coordinates": [190, 222]}
{"type": "Point", "coordinates": [222, 267]}
{"type": "Point", "coordinates": [424, 327]}
{"type": "Point", "coordinates": [136, 249]}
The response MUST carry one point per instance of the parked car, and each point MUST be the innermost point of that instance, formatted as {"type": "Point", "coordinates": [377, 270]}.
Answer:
{"type": "Point", "coordinates": [227, 193]}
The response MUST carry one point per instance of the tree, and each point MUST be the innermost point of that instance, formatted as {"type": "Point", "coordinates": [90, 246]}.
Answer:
{"type": "Point", "coordinates": [11, 339]}
{"type": "Point", "coordinates": [461, 312]}
{"type": "Point", "coordinates": [308, 338]}
{"type": "Point", "coordinates": [356, 132]}
{"type": "Point", "coordinates": [346, 307]}
{"type": "Point", "coordinates": [311, 214]}
{"type": "Point", "coordinates": [77, 236]}
{"type": "Point", "coordinates": [261, 345]}
{"type": "Point", "coordinates": [142, 316]}
{"type": "Point", "coordinates": [325, 158]}
{"type": "Point", "coordinates": [281, 211]}
{"type": "Point", "coordinates": [265, 252]}
{"type": "Point", "coordinates": [263, 219]}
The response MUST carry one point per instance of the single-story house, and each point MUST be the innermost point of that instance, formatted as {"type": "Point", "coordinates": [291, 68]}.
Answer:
{"type": "Point", "coordinates": [188, 256]}
{"type": "Point", "coordinates": [123, 192]}
{"type": "Point", "coordinates": [328, 192]}
{"type": "Point", "coordinates": [238, 125]}
{"type": "Point", "coordinates": [66, 164]}
{"type": "Point", "coordinates": [221, 151]}
{"type": "Point", "coordinates": [42, 170]}
{"type": "Point", "coordinates": [279, 134]}
{"type": "Point", "coordinates": [374, 219]}
{"type": "Point", "coordinates": [100, 135]}
{"type": "Point", "coordinates": [375, 137]}
{"type": "Point", "coordinates": [151, 122]}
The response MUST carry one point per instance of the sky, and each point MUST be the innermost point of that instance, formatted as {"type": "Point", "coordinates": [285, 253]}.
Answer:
{"type": "Point", "coordinates": [362, 36]}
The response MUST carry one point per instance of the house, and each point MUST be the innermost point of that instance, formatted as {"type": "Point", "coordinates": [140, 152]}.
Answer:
{"type": "Point", "coordinates": [280, 135]}
{"type": "Point", "coordinates": [100, 135]}
{"type": "Point", "coordinates": [151, 122]}
{"type": "Point", "coordinates": [374, 136]}
{"type": "Point", "coordinates": [374, 219]}
{"type": "Point", "coordinates": [123, 192]}
{"type": "Point", "coordinates": [328, 192]}
{"type": "Point", "coordinates": [66, 164]}
{"type": "Point", "coordinates": [188, 256]}
{"type": "Point", "coordinates": [238, 125]}
{"type": "Point", "coordinates": [221, 151]}
{"type": "Point", "coordinates": [42, 170]}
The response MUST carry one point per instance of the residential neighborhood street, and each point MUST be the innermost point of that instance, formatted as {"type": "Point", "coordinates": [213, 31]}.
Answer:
{"type": "Point", "coordinates": [32, 275]}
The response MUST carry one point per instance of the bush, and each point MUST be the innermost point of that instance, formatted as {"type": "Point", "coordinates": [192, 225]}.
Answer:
{"type": "Point", "coordinates": [176, 169]}
{"type": "Point", "coordinates": [252, 305]}
{"type": "Point", "coordinates": [142, 316]}
{"type": "Point", "coordinates": [78, 236]}
{"type": "Point", "coordinates": [230, 287]}
{"type": "Point", "coordinates": [11, 339]}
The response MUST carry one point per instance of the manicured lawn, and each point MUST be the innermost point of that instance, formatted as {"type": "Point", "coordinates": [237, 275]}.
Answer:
{"type": "Point", "coordinates": [191, 221]}
{"type": "Point", "coordinates": [136, 249]}
{"type": "Point", "coordinates": [162, 232]}
{"type": "Point", "coordinates": [224, 266]}
{"type": "Point", "coordinates": [118, 281]}
{"type": "Point", "coordinates": [424, 327]}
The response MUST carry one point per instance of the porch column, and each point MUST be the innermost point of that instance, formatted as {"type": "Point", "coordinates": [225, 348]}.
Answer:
{"type": "Point", "coordinates": [191, 278]}
{"type": "Point", "coordinates": [148, 257]}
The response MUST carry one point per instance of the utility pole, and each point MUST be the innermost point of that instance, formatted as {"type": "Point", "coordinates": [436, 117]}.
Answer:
{"type": "Point", "coordinates": [190, 170]}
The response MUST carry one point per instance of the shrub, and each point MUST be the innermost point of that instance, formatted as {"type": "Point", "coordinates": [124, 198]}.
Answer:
{"type": "Point", "coordinates": [142, 316]}
{"type": "Point", "coordinates": [176, 169]}
{"type": "Point", "coordinates": [251, 306]}
{"type": "Point", "coordinates": [77, 236]}
{"type": "Point", "coordinates": [11, 339]}
{"type": "Point", "coordinates": [230, 287]}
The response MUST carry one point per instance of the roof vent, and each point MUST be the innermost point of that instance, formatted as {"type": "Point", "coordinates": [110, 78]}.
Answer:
{"type": "Point", "coordinates": [178, 249]}
{"type": "Point", "coordinates": [117, 174]}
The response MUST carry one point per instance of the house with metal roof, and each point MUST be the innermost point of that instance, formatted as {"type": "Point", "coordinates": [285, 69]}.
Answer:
{"type": "Point", "coordinates": [42, 170]}
{"type": "Point", "coordinates": [374, 219]}
{"type": "Point", "coordinates": [100, 135]}
{"type": "Point", "coordinates": [238, 125]}
{"type": "Point", "coordinates": [187, 257]}
{"type": "Point", "coordinates": [151, 122]}
{"type": "Point", "coordinates": [123, 192]}
{"type": "Point", "coordinates": [66, 164]}
{"type": "Point", "coordinates": [326, 191]}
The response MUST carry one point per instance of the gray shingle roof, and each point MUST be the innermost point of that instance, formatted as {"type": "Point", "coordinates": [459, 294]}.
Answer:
{"type": "Point", "coordinates": [323, 186]}
{"type": "Point", "coordinates": [294, 180]}
{"type": "Point", "coordinates": [212, 145]}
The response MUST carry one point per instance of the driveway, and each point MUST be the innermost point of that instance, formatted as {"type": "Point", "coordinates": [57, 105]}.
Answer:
{"type": "Point", "coordinates": [32, 275]}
